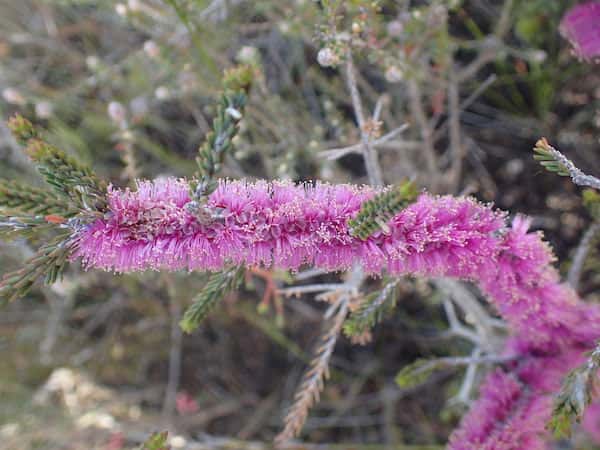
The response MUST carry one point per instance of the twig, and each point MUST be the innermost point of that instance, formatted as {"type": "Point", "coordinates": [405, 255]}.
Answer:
{"type": "Point", "coordinates": [464, 393]}
{"type": "Point", "coordinates": [503, 24]}
{"type": "Point", "coordinates": [463, 106]}
{"type": "Point", "coordinates": [312, 288]}
{"type": "Point", "coordinates": [581, 254]}
{"type": "Point", "coordinates": [336, 153]}
{"type": "Point", "coordinates": [174, 354]}
{"type": "Point", "coordinates": [309, 273]}
{"type": "Point", "coordinates": [475, 358]}
{"type": "Point", "coordinates": [369, 153]}
{"type": "Point", "coordinates": [456, 145]}
{"type": "Point", "coordinates": [309, 392]}
{"type": "Point", "coordinates": [456, 328]}
{"type": "Point", "coordinates": [475, 312]}
{"type": "Point", "coordinates": [577, 176]}
{"type": "Point", "coordinates": [416, 106]}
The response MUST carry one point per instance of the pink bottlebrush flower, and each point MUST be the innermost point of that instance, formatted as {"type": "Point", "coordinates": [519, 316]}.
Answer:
{"type": "Point", "coordinates": [581, 26]}
{"type": "Point", "coordinates": [286, 225]}
{"type": "Point", "coordinates": [591, 422]}
{"type": "Point", "coordinates": [514, 406]}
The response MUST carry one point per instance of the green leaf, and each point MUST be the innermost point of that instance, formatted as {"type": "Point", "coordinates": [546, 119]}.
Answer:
{"type": "Point", "coordinates": [20, 197]}
{"type": "Point", "coordinates": [372, 310]}
{"type": "Point", "coordinates": [219, 285]}
{"type": "Point", "coordinates": [416, 373]}
{"type": "Point", "coordinates": [591, 201]}
{"type": "Point", "coordinates": [543, 154]}
{"type": "Point", "coordinates": [157, 441]}
{"type": "Point", "coordinates": [69, 178]}
{"type": "Point", "coordinates": [49, 262]}
{"type": "Point", "coordinates": [575, 395]}
{"type": "Point", "coordinates": [376, 212]}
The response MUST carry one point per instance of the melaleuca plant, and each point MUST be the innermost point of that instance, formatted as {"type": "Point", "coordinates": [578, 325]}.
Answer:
{"type": "Point", "coordinates": [226, 227]}
{"type": "Point", "coordinates": [279, 224]}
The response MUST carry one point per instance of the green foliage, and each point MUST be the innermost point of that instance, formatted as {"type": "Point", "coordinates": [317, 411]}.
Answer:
{"type": "Point", "coordinates": [49, 262]}
{"type": "Point", "coordinates": [544, 153]}
{"type": "Point", "coordinates": [371, 311]}
{"type": "Point", "coordinates": [416, 373]}
{"type": "Point", "coordinates": [575, 395]}
{"type": "Point", "coordinates": [22, 129]}
{"type": "Point", "coordinates": [24, 226]}
{"type": "Point", "coordinates": [536, 21]}
{"type": "Point", "coordinates": [375, 213]}
{"type": "Point", "coordinates": [219, 141]}
{"type": "Point", "coordinates": [591, 201]}
{"type": "Point", "coordinates": [77, 188]}
{"type": "Point", "coordinates": [65, 174]}
{"type": "Point", "coordinates": [157, 441]}
{"type": "Point", "coordinates": [219, 285]}
{"type": "Point", "coordinates": [21, 197]}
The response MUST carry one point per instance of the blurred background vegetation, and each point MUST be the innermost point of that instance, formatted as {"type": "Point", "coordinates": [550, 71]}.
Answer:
{"type": "Point", "coordinates": [98, 361]}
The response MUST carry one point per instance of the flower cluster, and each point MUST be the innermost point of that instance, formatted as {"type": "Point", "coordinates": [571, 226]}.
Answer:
{"type": "Point", "coordinates": [581, 26]}
{"type": "Point", "coordinates": [514, 404]}
{"type": "Point", "coordinates": [285, 225]}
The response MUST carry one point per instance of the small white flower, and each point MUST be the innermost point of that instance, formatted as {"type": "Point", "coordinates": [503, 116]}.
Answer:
{"type": "Point", "coordinates": [395, 28]}
{"type": "Point", "coordinates": [162, 93]}
{"type": "Point", "coordinates": [117, 112]}
{"type": "Point", "coordinates": [327, 57]}
{"type": "Point", "coordinates": [178, 441]}
{"type": "Point", "coordinates": [92, 62]}
{"type": "Point", "coordinates": [121, 9]}
{"type": "Point", "coordinates": [135, 5]}
{"type": "Point", "coordinates": [284, 27]}
{"type": "Point", "coordinates": [247, 54]}
{"type": "Point", "coordinates": [538, 56]}
{"type": "Point", "coordinates": [394, 74]}
{"type": "Point", "coordinates": [234, 113]}
{"type": "Point", "coordinates": [151, 49]}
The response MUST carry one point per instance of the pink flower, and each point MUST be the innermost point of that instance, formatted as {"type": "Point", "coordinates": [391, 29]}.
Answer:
{"type": "Point", "coordinates": [116, 442]}
{"type": "Point", "coordinates": [591, 421]}
{"type": "Point", "coordinates": [185, 403]}
{"type": "Point", "coordinates": [581, 26]}
{"type": "Point", "coordinates": [515, 404]}
{"type": "Point", "coordinates": [286, 225]}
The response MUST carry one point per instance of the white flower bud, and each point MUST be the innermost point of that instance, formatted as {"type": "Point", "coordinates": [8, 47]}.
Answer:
{"type": "Point", "coordinates": [135, 5]}
{"type": "Point", "coordinates": [121, 9]}
{"type": "Point", "coordinates": [538, 56]}
{"type": "Point", "coordinates": [395, 28]}
{"type": "Point", "coordinates": [13, 96]}
{"type": "Point", "coordinates": [162, 93]}
{"type": "Point", "coordinates": [43, 109]}
{"type": "Point", "coordinates": [116, 112]}
{"type": "Point", "coordinates": [394, 74]}
{"type": "Point", "coordinates": [92, 62]}
{"type": "Point", "coordinates": [327, 57]}
{"type": "Point", "coordinates": [151, 49]}
{"type": "Point", "coordinates": [247, 54]}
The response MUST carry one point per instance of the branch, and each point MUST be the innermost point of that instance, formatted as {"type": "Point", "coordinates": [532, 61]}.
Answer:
{"type": "Point", "coordinates": [312, 385]}
{"type": "Point", "coordinates": [555, 161]}
{"type": "Point", "coordinates": [369, 152]}
{"type": "Point", "coordinates": [581, 254]}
